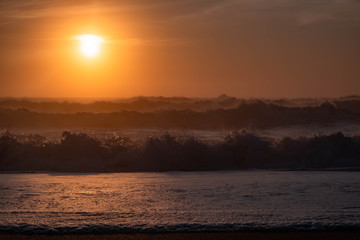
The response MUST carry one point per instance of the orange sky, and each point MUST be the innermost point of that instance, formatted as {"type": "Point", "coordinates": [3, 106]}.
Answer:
{"type": "Point", "coordinates": [195, 48]}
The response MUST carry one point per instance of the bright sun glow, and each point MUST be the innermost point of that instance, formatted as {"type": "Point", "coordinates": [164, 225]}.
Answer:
{"type": "Point", "coordinates": [90, 44]}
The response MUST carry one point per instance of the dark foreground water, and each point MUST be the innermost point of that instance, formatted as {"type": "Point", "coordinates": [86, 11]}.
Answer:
{"type": "Point", "coordinates": [179, 201]}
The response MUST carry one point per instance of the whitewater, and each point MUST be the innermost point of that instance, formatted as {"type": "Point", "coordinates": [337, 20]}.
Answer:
{"type": "Point", "coordinates": [179, 201]}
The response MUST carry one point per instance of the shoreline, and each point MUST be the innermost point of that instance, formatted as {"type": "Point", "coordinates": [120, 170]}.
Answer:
{"type": "Point", "coordinates": [324, 235]}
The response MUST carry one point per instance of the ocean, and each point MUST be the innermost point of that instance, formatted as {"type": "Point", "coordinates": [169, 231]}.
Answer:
{"type": "Point", "coordinates": [189, 166]}
{"type": "Point", "coordinates": [258, 200]}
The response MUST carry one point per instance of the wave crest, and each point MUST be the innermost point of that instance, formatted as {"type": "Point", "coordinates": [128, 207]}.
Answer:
{"type": "Point", "coordinates": [79, 152]}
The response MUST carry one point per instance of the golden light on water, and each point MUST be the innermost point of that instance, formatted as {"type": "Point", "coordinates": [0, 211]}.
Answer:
{"type": "Point", "coordinates": [90, 45]}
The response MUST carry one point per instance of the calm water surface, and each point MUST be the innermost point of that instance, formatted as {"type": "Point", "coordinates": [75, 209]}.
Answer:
{"type": "Point", "coordinates": [179, 201]}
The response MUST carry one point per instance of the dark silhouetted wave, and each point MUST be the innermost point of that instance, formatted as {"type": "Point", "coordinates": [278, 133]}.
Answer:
{"type": "Point", "coordinates": [152, 104]}
{"type": "Point", "coordinates": [238, 150]}
{"type": "Point", "coordinates": [256, 114]}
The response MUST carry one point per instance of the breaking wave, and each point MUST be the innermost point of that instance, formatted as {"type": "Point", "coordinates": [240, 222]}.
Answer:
{"type": "Point", "coordinates": [79, 152]}
{"type": "Point", "coordinates": [178, 113]}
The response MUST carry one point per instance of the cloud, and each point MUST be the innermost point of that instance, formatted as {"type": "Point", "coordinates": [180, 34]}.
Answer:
{"type": "Point", "coordinates": [41, 9]}
{"type": "Point", "coordinates": [178, 21]}
{"type": "Point", "coordinates": [300, 11]}
{"type": "Point", "coordinates": [332, 10]}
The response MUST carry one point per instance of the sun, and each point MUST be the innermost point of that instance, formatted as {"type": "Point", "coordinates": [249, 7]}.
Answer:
{"type": "Point", "coordinates": [90, 45]}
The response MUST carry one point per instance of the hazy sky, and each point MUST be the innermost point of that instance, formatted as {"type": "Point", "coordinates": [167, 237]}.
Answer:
{"type": "Point", "coordinates": [244, 48]}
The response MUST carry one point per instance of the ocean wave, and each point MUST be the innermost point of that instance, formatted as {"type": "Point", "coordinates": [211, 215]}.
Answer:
{"type": "Point", "coordinates": [79, 152]}
{"type": "Point", "coordinates": [151, 104]}
{"type": "Point", "coordinates": [259, 114]}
